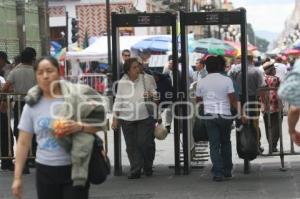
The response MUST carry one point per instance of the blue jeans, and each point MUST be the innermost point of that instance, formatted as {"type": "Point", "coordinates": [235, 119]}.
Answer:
{"type": "Point", "coordinates": [219, 130]}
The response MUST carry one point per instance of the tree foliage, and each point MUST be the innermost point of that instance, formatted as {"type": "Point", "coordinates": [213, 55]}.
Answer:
{"type": "Point", "coordinates": [260, 43]}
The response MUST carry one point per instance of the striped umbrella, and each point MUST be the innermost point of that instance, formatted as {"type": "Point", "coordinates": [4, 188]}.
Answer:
{"type": "Point", "coordinates": [213, 46]}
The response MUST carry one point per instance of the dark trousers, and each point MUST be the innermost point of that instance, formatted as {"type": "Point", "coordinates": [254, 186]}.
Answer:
{"type": "Point", "coordinates": [140, 144]}
{"type": "Point", "coordinates": [5, 134]}
{"type": "Point", "coordinates": [18, 111]}
{"type": "Point", "coordinates": [274, 127]}
{"type": "Point", "coordinates": [54, 182]}
{"type": "Point", "coordinates": [218, 130]}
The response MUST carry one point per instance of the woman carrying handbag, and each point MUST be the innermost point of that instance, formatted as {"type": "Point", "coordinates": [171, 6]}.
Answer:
{"type": "Point", "coordinates": [130, 112]}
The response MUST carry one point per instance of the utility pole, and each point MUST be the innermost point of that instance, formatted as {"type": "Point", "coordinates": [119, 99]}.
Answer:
{"type": "Point", "coordinates": [20, 10]}
{"type": "Point", "coordinates": [67, 32]}
{"type": "Point", "coordinates": [108, 34]}
{"type": "Point", "coordinates": [186, 4]}
{"type": "Point", "coordinates": [44, 26]}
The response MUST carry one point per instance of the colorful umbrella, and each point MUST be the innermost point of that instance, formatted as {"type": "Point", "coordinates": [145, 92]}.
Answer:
{"type": "Point", "coordinates": [213, 46]}
{"type": "Point", "coordinates": [292, 52]}
{"type": "Point", "coordinates": [237, 46]}
{"type": "Point", "coordinates": [55, 47]}
{"type": "Point", "coordinates": [61, 54]}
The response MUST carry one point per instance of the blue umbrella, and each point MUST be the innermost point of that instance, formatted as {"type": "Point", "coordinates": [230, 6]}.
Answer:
{"type": "Point", "coordinates": [297, 44]}
{"type": "Point", "coordinates": [155, 44]}
{"type": "Point", "coordinates": [55, 47]}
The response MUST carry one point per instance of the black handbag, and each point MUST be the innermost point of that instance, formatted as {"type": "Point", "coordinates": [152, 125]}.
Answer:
{"type": "Point", "coordinates": [99, 166]}
{"type": "Point", "coordinates": [247, 147]}
{"type": "Point", "coordinates": [199, 128]}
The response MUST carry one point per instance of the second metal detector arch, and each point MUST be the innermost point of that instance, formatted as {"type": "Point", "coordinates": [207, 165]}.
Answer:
{"type": "Point", "coordinates": [144, 20]}
{"type": "Point", "coordinates": [237, 17]}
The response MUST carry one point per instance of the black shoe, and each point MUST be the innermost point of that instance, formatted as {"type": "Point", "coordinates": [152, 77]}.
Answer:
{"type": "Point", "coordinates": [218, 178]}
{"type": "Point", "coordinates": [31, 163]}
{"type": "Point", "coordinates": [228, 176]}
{"type": "Point", "coordinates": [11, 167]}
{"type": "Point", "coordinates": [275, 150]}
{"type": "Point", "coordinates": [7, 166]}
{"type": "Point", "coordinates": [26, 170]}
{"type": "Point", "coordinates": [260, 150]}
{"type": "Point", "coordinates": [148, 172]}
{"type": "Point", "coordinates": [134, 176]}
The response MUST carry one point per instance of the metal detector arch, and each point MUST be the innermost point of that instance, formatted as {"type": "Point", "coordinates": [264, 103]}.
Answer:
{"type": "Point", "coordinates": [144, 20]}
{"type": "Point", "coordinates": [236, 17]}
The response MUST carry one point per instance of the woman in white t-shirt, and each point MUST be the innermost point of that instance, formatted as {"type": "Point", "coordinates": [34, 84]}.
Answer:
{"type": "Point", "coordinates": [53, 162]}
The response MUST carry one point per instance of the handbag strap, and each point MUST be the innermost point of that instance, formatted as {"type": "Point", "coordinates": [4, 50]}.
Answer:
{"type": "Point", "coordinates": [147, 107]}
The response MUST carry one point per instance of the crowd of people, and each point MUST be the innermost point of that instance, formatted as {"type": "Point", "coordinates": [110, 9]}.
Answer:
{"type": "Point", "coordinates": [218, 87]}
{"type": "Point", "coordinates": [18, 78]}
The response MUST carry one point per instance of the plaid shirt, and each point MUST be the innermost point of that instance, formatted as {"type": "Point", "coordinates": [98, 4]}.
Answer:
{"type": "Point", "coordinates": [269, 99]}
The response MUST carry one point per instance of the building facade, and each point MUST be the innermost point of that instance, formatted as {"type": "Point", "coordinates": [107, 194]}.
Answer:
{"type": "Point", "coordinates": [91, 17]}
{"type": "Point", "coordinates": [19, 22]}
{"type": "Point", "coordinates": [291, 32]}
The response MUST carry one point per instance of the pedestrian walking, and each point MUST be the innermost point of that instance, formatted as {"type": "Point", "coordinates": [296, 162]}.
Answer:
{"type": "Point", "coordinates": [135, 119]}
{"type": "Point", "coordinates": [216, 92]}
{"type": "Point", "coordinates": [289, 92]}
{"type": "Point", "coordinates": [55, 157]}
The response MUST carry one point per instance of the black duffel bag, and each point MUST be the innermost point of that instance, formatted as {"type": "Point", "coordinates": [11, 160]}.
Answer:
{"type": "Point", "coordinates": [99, 166]}
{"type": "Point", "coordinates": [246, 142]}
{"type": "Point", "coordinates": [199, 128]}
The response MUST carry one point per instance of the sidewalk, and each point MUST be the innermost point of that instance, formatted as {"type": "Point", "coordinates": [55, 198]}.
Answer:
{"type": "Point", "coordinates": [264, 181]}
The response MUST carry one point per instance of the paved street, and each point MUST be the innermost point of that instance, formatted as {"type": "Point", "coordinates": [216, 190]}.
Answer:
{"type": "Point", "coordinates": [264, 181]}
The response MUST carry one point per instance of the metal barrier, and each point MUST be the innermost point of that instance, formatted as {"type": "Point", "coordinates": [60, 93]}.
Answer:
{"type": "Point", "coordinates": [11, 99]}
{"type": "Point", "coordinates": [97, 81]}
{"type": "Point", "coordinates": [264, 94]}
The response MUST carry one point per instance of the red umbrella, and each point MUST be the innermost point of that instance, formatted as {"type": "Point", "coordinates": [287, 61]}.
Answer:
{"type": "Point", "coordinates": [292, 52]}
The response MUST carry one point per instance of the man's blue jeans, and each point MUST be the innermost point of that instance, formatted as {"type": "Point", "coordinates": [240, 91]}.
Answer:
{"type": "Point", "coordinates": [218, 129]}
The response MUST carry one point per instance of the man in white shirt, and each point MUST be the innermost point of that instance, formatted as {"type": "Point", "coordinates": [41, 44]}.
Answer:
{"type": "Point", "coordinates": [200, 72]}
{"type": "Point", "coordinates": [216, 92]}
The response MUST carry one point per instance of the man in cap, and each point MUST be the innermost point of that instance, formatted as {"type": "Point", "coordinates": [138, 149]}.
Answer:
{"type": "Point", "coordinates": [271, 105]}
